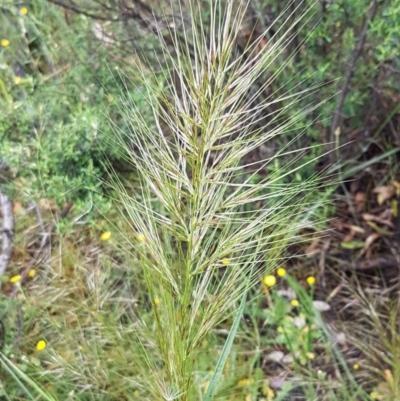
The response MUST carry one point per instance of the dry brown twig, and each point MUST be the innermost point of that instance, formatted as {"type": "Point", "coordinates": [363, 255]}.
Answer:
{"type": "Point", "coordinates": [7, 232]}
{"type": "Point", "coordinates": [337, 115]}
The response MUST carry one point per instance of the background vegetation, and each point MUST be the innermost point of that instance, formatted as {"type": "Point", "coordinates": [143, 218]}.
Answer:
{"type": "Point", "coordinates": [75, 279]}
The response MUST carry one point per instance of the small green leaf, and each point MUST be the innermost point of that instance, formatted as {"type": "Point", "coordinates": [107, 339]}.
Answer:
{"type": "Point", "coordinates": [352, 245]}
{"type": "Point", "coordinates": [212, 388]}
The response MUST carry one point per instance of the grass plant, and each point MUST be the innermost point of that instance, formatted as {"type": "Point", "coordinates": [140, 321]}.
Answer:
{"type": "Point", "coordinates": [152, 307]}
{"type": "Point", "coordinates": [204, 233]}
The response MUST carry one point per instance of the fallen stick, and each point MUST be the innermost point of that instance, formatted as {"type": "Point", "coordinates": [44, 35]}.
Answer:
{"type": "Point", "coordinates": [7, 232]}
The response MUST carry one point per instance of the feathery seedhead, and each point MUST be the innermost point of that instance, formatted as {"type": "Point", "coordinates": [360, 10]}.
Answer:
{"type": "Point", "coordinates": [211, 107]}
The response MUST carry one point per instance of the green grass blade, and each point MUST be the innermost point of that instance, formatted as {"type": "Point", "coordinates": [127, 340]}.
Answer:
{"type": "Point", "coordinates": [212, 388]}
{"type": "Point", "coordinates": [20, 376]}
{"type": "Point", "coordinates": [361, 166]}
{"type": "Point", "coordinates": [17, 380]}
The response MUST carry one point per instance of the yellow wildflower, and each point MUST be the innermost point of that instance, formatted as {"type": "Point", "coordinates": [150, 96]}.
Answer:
{"type": "Point", "coordinates": [310, 355]}
{"type": "Point", "coordinates": [225, 261]}
{"type": "Point", "coordinates": [294, 302]}
{"type": "Point", "coordinates": [281, 272]}
{"type": "Point", "coordinates": [17, 80]}
{"type": "Point", "coordinates": [269, 393]}
{"type": "Point", "coordinates": [140, 237]}
{"type": "Point", "coordinates": [23, 10]}
{"type": "Point", "coordinates": [105, 236]}
{"type": "Point", "coordinates": [41, 345]}
{"type": "Point", "coordinates": [156, 301]}
{"type": "Point", "coordinates": [245, 382]}
{"type": "Point", "coordinates": [311, 280]}
{"type": "Point", "coordinates": [375, 395]}
{"type": "Point", "coordinates": [15, 279]}
{"type": "Point", "coordinates": [4, 42]}
{"type": "Point", "coordinates": [270, 280]}
{"type": "Point", "coordinates": [356, 366]}
{"type": "Point", "coordinates": [32, 273]}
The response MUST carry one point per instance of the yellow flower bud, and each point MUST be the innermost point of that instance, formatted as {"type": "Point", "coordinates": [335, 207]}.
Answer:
{"type": "Point", "coordinates": [270, 280]}
{"type": "Point", "coordinates": [140, 237]}
{"type": "Point", "coordinates": [105, 236]}
{"type": "Point", "coordinates": [32, 273]}
{"type": "Point", "coordinates": [41, 345]}
{"type": "Point", "coordinates": [15, 279]}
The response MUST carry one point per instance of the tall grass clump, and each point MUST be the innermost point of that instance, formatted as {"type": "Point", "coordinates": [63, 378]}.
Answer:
{"type": "Point", "coordinates": [207, 222]}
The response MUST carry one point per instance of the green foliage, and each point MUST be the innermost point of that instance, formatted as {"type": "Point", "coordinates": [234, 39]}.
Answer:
{"type": "Point", "coordinates": [331, 36]}
{"type": "Point", "coordinates": [58, 85]}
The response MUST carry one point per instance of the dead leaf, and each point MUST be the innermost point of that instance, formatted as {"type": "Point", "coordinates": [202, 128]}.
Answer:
{"type": "Point", "coordinates": [357, 229]}
{"type": "Point", "coordinates": [277, 382]}
{"type": "Point", "coordinates": [386, 214]}
{"type": "Point", "coordinates": [287, 293]}
{"type": "Point", "coordinates": [334, 292]}
{"type": "Point", "coordinates": [367, 245]}
{"type": "Point", "coordinates": [384, 193]}
{"type": "Point", "coordinates": [370, 239]}
{"type": "Point", "coordinates": [17, 206]}
{"type": "Point", "coordinates": [397, 186]}
{"type": "Point", "coordinates": [349, 237]}
{"type": "Point", "coordinates": [275, 356]}
{"type": "Point", "coordinates": [299, 322]}
{"type": "Point", "coordinates": [377, 219]}
{"type": "Point", "coordinates": [313, 248]}
{"type": "Point", "coordinates": [379, 230]}
{"type": "Point", "coordinates": [287, 359]}
{"type": "Point", "coordinates": [359, 199]}
{"type": "Point", "coordinates": [321, 306]}
{"type": "Point", "coordinates": [353, 231]}
{"type": "Point", "coordinates": [339, 338]}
